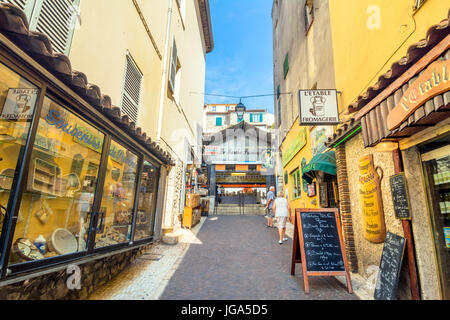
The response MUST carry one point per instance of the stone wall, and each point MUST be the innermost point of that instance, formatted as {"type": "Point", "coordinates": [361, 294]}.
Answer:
{"type": "Point", "coordinates": [53, 286]}
{"type": "Point", "coordinates": [368, 253]}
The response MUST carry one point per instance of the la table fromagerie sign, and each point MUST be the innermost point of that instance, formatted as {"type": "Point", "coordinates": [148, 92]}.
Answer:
{"type": "Point", "coordinates": [432, 82]}
{"type": "Point", "coordinates": [318, 107]}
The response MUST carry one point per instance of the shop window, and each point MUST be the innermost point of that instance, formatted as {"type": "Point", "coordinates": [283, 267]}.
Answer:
{"type": "Point", "coordinates": [57, 200]}
{"type": "Point", "coordinates": [18, 99]}
{"type": "Point", "coordinates": [436, 165]}
{"type": "Point", "coordinates": [116, 210]}
{"type": "Point", "coordinates": [148, 187]}
{"type": "Point", "coordinates": [296, 184]}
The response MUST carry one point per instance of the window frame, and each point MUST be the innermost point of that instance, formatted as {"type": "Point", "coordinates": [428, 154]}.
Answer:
{"type": "Point", "coordinates": [56, 90]}
{"type": "Point", "coordinates": [296, 191]}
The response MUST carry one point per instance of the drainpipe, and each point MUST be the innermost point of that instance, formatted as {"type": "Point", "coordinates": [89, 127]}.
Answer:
{"type": "Point", "coordinates": [164, 75]}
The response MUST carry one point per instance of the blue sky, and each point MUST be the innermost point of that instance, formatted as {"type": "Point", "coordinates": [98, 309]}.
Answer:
{"type": "Point", "coordinates": [241, 63]}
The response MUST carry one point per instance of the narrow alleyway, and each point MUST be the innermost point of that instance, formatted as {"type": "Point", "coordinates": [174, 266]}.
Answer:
{"type": "Point", "coordinates": [231, 257]}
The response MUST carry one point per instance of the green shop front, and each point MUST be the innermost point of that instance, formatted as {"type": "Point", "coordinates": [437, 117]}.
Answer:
{"type": "Point", "coordinates": [78, 181]}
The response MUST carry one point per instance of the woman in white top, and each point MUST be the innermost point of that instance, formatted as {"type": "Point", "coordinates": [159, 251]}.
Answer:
{"type": "Point", "coordinates": [281, 211]}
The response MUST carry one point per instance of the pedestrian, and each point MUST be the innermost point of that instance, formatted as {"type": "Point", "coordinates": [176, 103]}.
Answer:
{"type": "Point", "coordinates": [281, 211]}
{"type": "Point", "coordinates": [269, 205]}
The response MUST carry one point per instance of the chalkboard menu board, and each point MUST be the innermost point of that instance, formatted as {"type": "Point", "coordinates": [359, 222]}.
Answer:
{"type": "Point", "coordinates": [322, 246]}
{"type": "Point", "coordinates": [400, 196]}
{"type": "Point", "coordinates": [390, 266]}
{"type": "Point", "coordinates": [317, 233]}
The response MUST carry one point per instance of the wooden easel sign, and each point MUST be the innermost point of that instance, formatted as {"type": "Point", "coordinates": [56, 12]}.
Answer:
{"type": "Point", "coordinates": [318, 245]}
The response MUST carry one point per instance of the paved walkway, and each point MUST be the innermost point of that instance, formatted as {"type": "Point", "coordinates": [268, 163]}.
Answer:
{"type": "Point", "coordinates": [237, 257]}
{"type": "Point", "coordinates": [222, 258]}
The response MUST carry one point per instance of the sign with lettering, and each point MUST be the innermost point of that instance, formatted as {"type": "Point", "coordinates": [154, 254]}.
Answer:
{"type": "Point", "coordinates": [374, 227]}
{"type": "Point", "coordinates": [321, 244]}
{"type": "Point", "coordinates": [390, 266]}
{"type": "Point", "coordinates": [433, 81]}
{"type": "Point", "coordinates": [19, 104]}
{"type": "Point", "coordinates": [294, 147]}
{"type": "Point", "coordinates": [400, 196]}
{"type": "Point", "coordinates": [318, 107]}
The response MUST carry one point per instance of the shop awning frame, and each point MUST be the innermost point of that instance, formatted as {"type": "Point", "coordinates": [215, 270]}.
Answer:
{"type": "Point", "coordinates": [325, 162]}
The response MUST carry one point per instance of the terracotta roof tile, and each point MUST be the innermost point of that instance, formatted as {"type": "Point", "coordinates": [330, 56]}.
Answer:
{"type": "Point", "coordinates": [14, 25]}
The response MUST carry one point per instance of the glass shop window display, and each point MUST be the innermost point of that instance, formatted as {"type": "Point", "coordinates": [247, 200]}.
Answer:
{"type": "Point", "coordinates": [58, 198]}
{"type": "Point", "coordinates": [147, 202]}
{"type": "Point", "coordinates": [116, 212]}
{"type": "Point", "coordinates": [18, 99]}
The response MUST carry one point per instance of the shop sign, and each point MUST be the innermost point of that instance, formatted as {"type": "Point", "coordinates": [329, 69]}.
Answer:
{"type": "Point", "coordinates": [295, 146]}
{"type": "Point", "coordinates": [19, 104]}
{"type": "Point", "coordinates": [212, 150]}
{"type": "Point", "coordinates": [374, 228]}
{"type": "Point", "coordinates": [432, 82]}
{"type": "Point", "coordinates": [447, 237]}
{"type": "Point", "coordinates": [318, 107]}
{"type": "Point", "coordinates": [86, 139]}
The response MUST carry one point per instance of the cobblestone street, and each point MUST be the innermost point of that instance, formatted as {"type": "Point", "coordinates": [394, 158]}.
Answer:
{"type": "Point", "coordinates": [224, 257]}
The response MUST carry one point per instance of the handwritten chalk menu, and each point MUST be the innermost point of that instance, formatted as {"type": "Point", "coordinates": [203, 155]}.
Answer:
{"type": "Point", "coordinates": [390, 266]}
{"type": "Point", "coordinates": [321, 242]}
{"type": "Point", "coordinates": [321, 245]}
{"type": "Point", "coordinates": [400, 196]}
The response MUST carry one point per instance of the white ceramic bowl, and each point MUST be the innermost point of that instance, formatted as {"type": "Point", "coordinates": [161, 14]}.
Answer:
{"type": "Point", "coordinates": [63, 241]}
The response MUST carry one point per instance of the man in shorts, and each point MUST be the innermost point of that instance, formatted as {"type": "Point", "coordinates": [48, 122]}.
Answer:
{"type": "Point", "coordinates": [269, 206]}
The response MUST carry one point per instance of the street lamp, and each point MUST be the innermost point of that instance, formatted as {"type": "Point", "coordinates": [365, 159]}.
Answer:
{"type": "Point", "coordinates": [240, 109]}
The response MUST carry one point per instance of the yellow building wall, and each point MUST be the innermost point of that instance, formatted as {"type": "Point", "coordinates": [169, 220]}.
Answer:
{"type": "Point", "coordinates": [296, 163]}
{"type": "Point", "coordinates": [364, 50]}
{"type": "Point", "coordinates": [110, 28]}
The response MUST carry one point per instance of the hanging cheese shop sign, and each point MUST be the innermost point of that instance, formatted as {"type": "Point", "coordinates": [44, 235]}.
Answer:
{"type": "Point", "coordinates": [432, 82]}
{"type": "Point", "coordinates": [374, 228]}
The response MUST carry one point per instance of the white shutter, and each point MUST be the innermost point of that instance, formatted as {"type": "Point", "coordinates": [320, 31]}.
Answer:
{"type": "Point", "coordinates": [25, 5]}
{"type": "Point", "coordinates": [56, 19]}
{"type": "Point", "coordinates": [173, 67]}
{"type": "Point", "coordinates": [20, 3]}
{"type": "Point", "coordinates": [131, 90]}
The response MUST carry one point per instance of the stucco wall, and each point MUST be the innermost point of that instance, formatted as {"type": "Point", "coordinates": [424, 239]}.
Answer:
{"type": "Point", "coordinates": [421, 225]}
{"type": "Point", "coordinates": [309, 54]}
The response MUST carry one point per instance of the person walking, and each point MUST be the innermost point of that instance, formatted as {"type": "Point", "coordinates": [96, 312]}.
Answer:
{"type": "Point", "coordinates": [269, 205]}
{"type": "Point", "coordinates": [281, 211]}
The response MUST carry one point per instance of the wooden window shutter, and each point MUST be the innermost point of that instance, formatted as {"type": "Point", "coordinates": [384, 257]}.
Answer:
{"type": "Point", "coordinates": [286, 65]}
{"type": "Point", "coordinates": [278, 91]}
{"type": "Point", "coordinates": [251, 117]}
{"type": "Point", "coordinates": [56, 19]}
{"type": "Point", "coordinates": [173, 67]}
{"type": "Point", "coordinates": [131, 89]}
